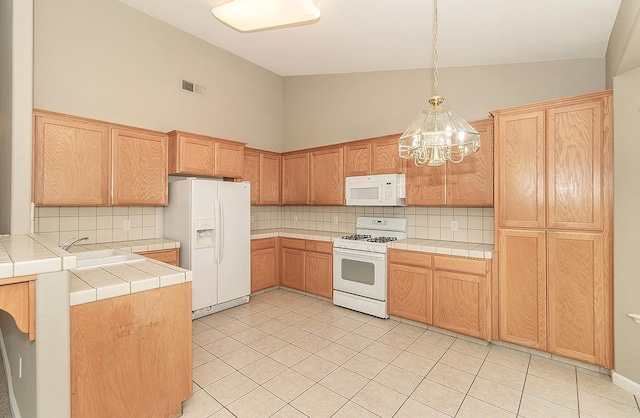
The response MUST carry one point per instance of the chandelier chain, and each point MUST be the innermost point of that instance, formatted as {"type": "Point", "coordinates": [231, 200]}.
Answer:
{"type": "Point", "coordinates": [435, 47]}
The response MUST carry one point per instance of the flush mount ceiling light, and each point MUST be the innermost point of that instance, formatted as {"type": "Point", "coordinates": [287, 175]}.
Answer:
{"type": "Point", "coordinates": [438, 134]}
{"type": "Point", "coordinates": [254, 15]}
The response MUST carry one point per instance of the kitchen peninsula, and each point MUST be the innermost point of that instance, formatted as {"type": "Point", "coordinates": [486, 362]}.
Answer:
{"type": "Point", "coordinates": [64, 303]}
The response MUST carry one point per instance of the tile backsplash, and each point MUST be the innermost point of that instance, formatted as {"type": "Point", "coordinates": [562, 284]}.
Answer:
{"type": "Point", "coordinates": [474, 224]}
{"type": "Point", "coordinates": [100, 224]}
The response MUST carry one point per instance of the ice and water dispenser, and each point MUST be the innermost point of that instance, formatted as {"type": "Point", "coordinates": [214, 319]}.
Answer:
{"type": "Point", "coordinates": [205, 236]}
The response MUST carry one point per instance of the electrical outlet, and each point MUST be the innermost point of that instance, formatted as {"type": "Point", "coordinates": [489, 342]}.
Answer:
{"type": "Point", "coordinates": [295, 218]}
{"type": "Point", "coordinates": [126, 225]}
{"type": "Point", "coordinates": [454, 225]}
{"type": "Point", "coordinates": [335, 220]}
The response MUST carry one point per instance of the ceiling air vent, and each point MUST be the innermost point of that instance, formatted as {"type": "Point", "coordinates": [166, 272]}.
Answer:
{"type": "Point", "coordinates": [191, 87]}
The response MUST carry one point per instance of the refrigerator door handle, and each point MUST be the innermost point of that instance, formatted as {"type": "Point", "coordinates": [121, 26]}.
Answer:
{"type": "Point", "coordinates": [216, 257]}
{"type": "Point", "coordinates": [221, 242]}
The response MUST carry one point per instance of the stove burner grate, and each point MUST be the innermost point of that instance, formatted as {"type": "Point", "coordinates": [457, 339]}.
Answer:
{"type": "Point", "coordinates": [356, 237]}
{"type": "Point", "coordinates": [382, 239]}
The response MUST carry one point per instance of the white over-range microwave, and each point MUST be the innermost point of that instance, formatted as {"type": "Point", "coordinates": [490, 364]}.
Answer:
{"type": "Point", "coordinates": [375, 190]}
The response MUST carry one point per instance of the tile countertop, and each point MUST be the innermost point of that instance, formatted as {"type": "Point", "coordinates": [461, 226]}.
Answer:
{"type": "Point", "coordinates": [136, 246]}
{"type": "Point", "coordinates": [462, 249]}
{"type": "Point", "coordinates": [22, 255]}
{"type": "Point", "coordinates": [91, 284]}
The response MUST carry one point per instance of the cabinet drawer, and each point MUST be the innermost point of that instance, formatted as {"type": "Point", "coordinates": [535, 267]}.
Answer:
{"type": "Point", "coordinates": [297, 244]}
{"type": "Point", "coordinates": [413, 258]}
{"type": "Point", "coordinates": [466, 265]}
{"type": "Point", "coordinates": [264, 243]}
{"type": "Point", "coordinates": [171, 256]}
{"type": "Point", "coordinates": [320, 247]}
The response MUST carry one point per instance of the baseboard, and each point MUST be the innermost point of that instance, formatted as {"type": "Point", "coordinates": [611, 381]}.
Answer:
{"type": "Point", "coordinates": [624, 383]}
{"type": "Point", "coordinates": [15, 411]}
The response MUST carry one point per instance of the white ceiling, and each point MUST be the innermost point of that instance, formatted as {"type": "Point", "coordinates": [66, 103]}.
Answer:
{"type": "Point", "coordinates": [373, 35]}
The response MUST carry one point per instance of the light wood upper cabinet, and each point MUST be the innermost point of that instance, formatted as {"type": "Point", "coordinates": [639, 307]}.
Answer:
{"type": "Point", "coordinates": [190, 154]}
{"type": "Point", "coordinates": [520, 166]}
{"type": "Point", "coordinates": [295, 179]}
{"type": "Point", "coordinates": [523, 287]}
{"type": "Point", "coordinates": [252, 174]}
{"type": "Point", "coordinates": [373, 156]}
{"type": "Point", "coordinates": [575, 144]}
{"type": "Point", "coordinates": [357, 158]}
{"type": "Point", "coordinates": [139, 168]}
{"type": "Point", "coordinates": [82, 162]}
{"type": "Point", "coordinates": [269, 179]}
{"type": "Point", "coordinates": [72, 162]}
{"type": "Point", "coordinates": [578, 297]}
{"type": "Point", "coordinates": [327, 177]}
{"type": "Point", "coordinates": [468, 183]}
{"type": "Point", "coordinates": [229, 159]}
{"type": "Point", "coordinates": [385, 158]}
{"type": "Point", "coordinates": [201, 155]}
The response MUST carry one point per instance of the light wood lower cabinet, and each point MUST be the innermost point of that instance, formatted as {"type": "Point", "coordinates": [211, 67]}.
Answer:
{"type": "Point", "coordinates": [410, 292]}
{"type": "Point", "coordinates": [446, 291]}
{"type": "Point", "coordinates": [264, 264]}
{"type": "Point", "coordinates": [523, 287]}
{"type": "Point", "coordinates": [293, 265]}
{"type": "Point", "coordinates": [131, 356]}
{"type": "Point", "coordinates": [18, 299]}
{"type": "Point", "coordinates": [169, 256]}
{"type": "Point", "coordinates": [318, 274]}
{"type": "Point", "coordinates": [578, 295]}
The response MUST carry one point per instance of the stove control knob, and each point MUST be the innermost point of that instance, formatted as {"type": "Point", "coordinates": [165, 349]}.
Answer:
{"type": "Point", "coordinates": [370, 248]}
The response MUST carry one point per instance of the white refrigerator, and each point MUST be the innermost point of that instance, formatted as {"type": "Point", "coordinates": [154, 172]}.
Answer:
{"type": "Point", "coordinates": [211, 220]}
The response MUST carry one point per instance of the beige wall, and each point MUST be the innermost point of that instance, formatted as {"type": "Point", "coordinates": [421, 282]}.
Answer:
{"type": "Point", "coordinates": [6, 36]}
{"type": "Point", "coordinates": [326, 109]}
{"type": "Point", "coordinates": [623, 51]}
{"type": "Point", "coordinates": [623, 74]}
{"type": "Point", "coordinates": [104, 60]}
{"type": "Point", "coordinates": [626, 106]}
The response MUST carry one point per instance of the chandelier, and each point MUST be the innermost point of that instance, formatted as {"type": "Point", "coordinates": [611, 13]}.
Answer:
{"type": "Point", "coordinates": [438, 134]}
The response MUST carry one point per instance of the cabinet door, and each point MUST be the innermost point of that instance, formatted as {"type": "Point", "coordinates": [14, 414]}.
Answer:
{"type": "Point", "coordinates": [252, 174]}
{"type": "Point", "coordinates": [357, 159]}
{"type": "Point", "coordinates": [293, 268]}
{"type": "Point", "coordinates": [229, 159]}
{"type": "Point", "coordinates": [269, 179]}
{"type": "Point", "coordinates": [425, 185]}
{"type": "Point", "coordinates": [139, 168]}
{"type": "Point", "coordinates": [470, 183]}
{"type": "Point", "coordinates": [318, 277]}
{"type": "Point", "coordinates": [72, 162]}
{"type": "Point", "coordinates": [575, 166]}
{"type": "Point", "coordinates": [171, 256]}
{"type": "Point", "coordinates": [138, 361]}
{"type": "Point", "coordinates": [327, 177]}
{"type": "Point", "coordinates": [522, 288]}
{"type": "Point", "coordinates": [191, 155]}
{"type": "Point", "coordinates": [410, 292]}
{"type": "Point", "coordinates": [295, 179]}
{"type": "Point", "coordinates": [520, 169]}
{"type": "Point", "coordinates": [461, 303]}
{"type": "Point", "coordinates": [263, 264]}
{"type": "Point", "coordinates": [579, 298]}
{"type": "Point", "coordinates": [385, 158]}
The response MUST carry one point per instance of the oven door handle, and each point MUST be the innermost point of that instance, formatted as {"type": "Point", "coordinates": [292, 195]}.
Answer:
{"type": "Point", "coordinates": [374, 256]}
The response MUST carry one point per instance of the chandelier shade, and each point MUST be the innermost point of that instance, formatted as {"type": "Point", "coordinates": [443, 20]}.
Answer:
{"type": "Point", "coordinates": [438, 134]}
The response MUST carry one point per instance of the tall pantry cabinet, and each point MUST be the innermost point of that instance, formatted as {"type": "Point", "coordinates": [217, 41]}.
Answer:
{"type": "Point", "coordinates": [553, 206]}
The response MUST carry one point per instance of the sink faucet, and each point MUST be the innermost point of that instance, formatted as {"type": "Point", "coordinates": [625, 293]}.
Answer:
{"type": "Point", "coordinates": [68, 247]}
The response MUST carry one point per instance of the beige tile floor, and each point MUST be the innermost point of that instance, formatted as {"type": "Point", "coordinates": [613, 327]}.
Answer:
{"type": "Point", "coordinates": [285, 354]}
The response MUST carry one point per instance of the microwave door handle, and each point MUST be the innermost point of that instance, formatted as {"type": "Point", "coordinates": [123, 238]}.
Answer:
{"type": "Point", "coordinates": [380, 191]}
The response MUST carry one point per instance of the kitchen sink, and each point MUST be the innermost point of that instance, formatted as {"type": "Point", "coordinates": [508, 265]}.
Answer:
{"type": "Point", "coordinates": [101, 258]}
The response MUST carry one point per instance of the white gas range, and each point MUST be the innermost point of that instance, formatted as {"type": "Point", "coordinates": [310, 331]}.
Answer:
{"type": "Point", "coordinates": [360, 264]}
